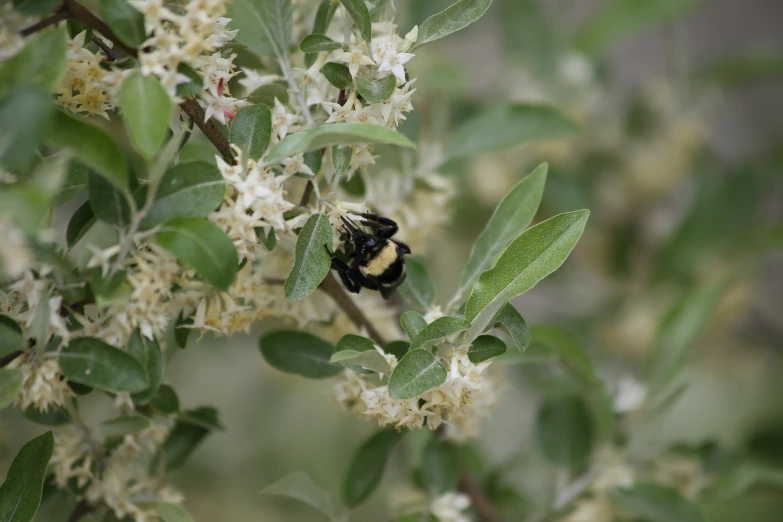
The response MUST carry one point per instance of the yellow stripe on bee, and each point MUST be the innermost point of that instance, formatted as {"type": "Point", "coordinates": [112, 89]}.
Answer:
{"type": "Point", "coordinates": [381, 261]}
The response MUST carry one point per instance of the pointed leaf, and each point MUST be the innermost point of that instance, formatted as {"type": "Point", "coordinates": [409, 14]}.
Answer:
{"type": "Point", "coordinates": [512, 321]}
{"type": "Point", "coordinates": [369, 360]}
{"type": "Point", "coordinates": [251, 130]}
{"type": "Point", "coordinates": [378, 91]}
{"type": "Point", "coordinates": [147, 353]}
{"type": "Point", "coordinates": [299, 487]}
{"type": "Point", "coordinates": [440, 466]}
{"type": "Point", "coordinates": [315, 43]}
{"type": "Point", "coordinates": [508, 126]}
{"type": "Point", "coordinates": [173, 513]}
{"type": "Point", "coordinates": [107, 202]}
{"type": "Point", "coordinates": [125, 425]}
{"type": "Point", "coordinates": [354, 342]}
{"type": "Point", "coordinates": [338, 75]}
{"type": "Point", "coordinates": [341, 159]}
{"type": "Point", "coordinates": [330, 134]}
{"type": "Point", "coordinates": [418, 290]}
{"type": "Point", "coordinates": [439, 329]}
{"type": "Point", "coordinates": [21, 492]}
{"type": "Point", "coordinates": [11, 338]}
{"type": "Point", "coordinates": [532, 256]}
{"type": "Point", "coordinates": [312, 261]}
{"type": "Point", "coordinates": [565, 431]}
{"type": "Point", "coordinates": [485, 347]}
{"type": "Point", "coordinates": [299, 353]}
{"type": "Point", "coordinates": [10, 385]}
{"type": "Point", "coordinates": [41, 62]}
{"type": "Point", "coordinates": [511, 218]}
{"type": "Point", "coordinates": [416, 373]}
{"type": "Point", "coordinates": [146, 111]}
{"type": "Point", "coordinates": [264, 25]}
{"type": "Point", "coordinates": [26, 115]}
{"type": "Point", "coordinates": [367, 467]}
{"type": "Point", "coordinates": [656, 503]}
{"type": "Point", "coordinates": [80, 223]}
{"type": "Point", "coordinates": [185, 437]}
{"type": "Point", "coordinates": [413, 323]}
{"type": "Point", "coordinates": [202, 245]}
{"type": "Point", "coordinates": [455, 17]}
{"type": "Point", "coordinates": [92, 362]}
{"type": "Point", "coordinates": [361, 16]}
{"type": "Point", "coordinates": [124, 21]}
{"type": "Point", "coordinates": [192, 189]}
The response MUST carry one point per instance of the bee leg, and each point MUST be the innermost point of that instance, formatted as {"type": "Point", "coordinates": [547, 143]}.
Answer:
{"type": "Point", "coordinates": [382, 226]}
{"type": "Point", "coordinates": [350, 278]}
{"type": "Point", "coordinates": [405, 249]}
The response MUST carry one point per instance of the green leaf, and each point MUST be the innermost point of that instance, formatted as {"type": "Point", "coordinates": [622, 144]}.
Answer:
{"type": "Point", "coordinates": [20, 494]}
{"type": "Point", "coordinates": [51, 417]}
{"type": "Point", "coordinates": [92, 146]}
{"type": "Point", "coordinates": [330, 134]}
{"type": "Point", "coordinates": [180, 333]}
{"type": "Point", "coordinates": [455, 17]}
{"type": "Point", "coordinates": [313, 160]}
{"type": "Point", "coordinates": [125, 425]}
{"type": "Point", "coordinates": [11, 338]}
{"type": "Point", "coordinates": [146, 110]}
{"type": "Point", "coordinates": [92, 362]}
{"type": "Point", "coordinates": [565, 431]}
{"type": "Point", "coordinates": [354, 342]}
{"type": "Point", "coordinates": [26, 116]}
{"type": "Point", "coordinates": [312, 261]}
{"type": "Point", "coordinates": [184, 437]}
{"type": "Point", "coordinates": [264, 25]}
{"type": "Point", "coordinates": [361, 17]}
{"type": "Point", "coordinates": [569, 352]}
{"type": "Point", "coordinates": [619, 19]}
{"type": "Point", "coordinates": [507, 126]}
{"type": "Point", "coordinates": [511, 218]}
{"type": "Point", "coordinates": [315, 43]}
{"type": "Point", "coordinates": [679, 329]}
{"type": "Point", "coordinates": [193, 189]}
{"type": "Point", "coordinates": [147, 353]}
{"type": "Point", "coordinates": [367, 467]}
{"type": "Point", "coordinates": [42, 62]}
{"type": "Point", "coordinates": [341, 159]}
{"type": "Point", "coordinates": [418, 290]}
{"type": "Point", "coordinates": [173, 513]}
{"type": "Point", "coordinates": [266, 95]}
{"type": "Point", "coordinates": [440, 466]}
{"type": "Point", "coordinates": [80, 223]}
{"type": "Point", "coordinates": [10, 385]}
{"type": "Point", "coordinates": [251, 130]}
{"type": "Point", "coordinates": [485, 347]}
{"type": "Point", "coordinates": [338, 75]}
{"type": "Point", "coordinates": [195, 83]}
{"type": "Point", "coordinates": [438, 329]}
{"type": "Point", "coordinates": [166, 401]}
{"type": "Point", "coordinates": [397, 348]}
{"type": "Point", "coordinates": [124, 21]}
{"type": "Point", "coordinates": [515, 325]}
{"type": "Point", "coordinates": [299, 353]}
{"type": "Point", "coordinates": [106, 202]}
{"type": "Point", "coordinates": [532, 256]}
{"type": "Point", "coordinates": [655, 503]}
{"type": "Point", "coordinates": [378, 91]}
{"type": "Point", "coordinates": [368, 360]}
{"type": "Point", "coordinates": [298, 486]}
{"type": "Point", "coordinates": [35, 7]}
{"type": "Point", "coordinates": [416, 373]}
{"type": "Point", "coordinates": [323, 16]}
{"type": "Point", "coordinates": [203, 246]}
{"type": "Point", "coordinates": [413, 323]}
{"type": "Point", "coordinates": [75, 183]}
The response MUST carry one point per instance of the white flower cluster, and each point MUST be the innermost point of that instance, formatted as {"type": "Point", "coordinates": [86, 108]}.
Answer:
{"type": "Point", "coordinates": [122, 480]}
{"type": "Point", "coordinates": [460, 403]}
{"type": "Point", "coordinates": [450, 507]}
{"type": "Point", "coordinates": [43, 385]}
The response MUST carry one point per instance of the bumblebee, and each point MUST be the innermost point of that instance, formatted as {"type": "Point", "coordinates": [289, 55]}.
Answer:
{"type": "Point", "coordinates": [376, 260]}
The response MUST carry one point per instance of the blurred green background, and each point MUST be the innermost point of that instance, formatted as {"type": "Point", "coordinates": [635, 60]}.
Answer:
{"type": "Point", "coordinates": [680, 103]}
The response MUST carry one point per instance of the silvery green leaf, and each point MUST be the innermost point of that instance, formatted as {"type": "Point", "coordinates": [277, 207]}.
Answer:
{"type": "Point", "coordinates": [417, 372]}
{"type": "Point", "coordinates": [418, 290]}
{"type": "Point", "coordinates": [41, 62]}
{"type": "Point", "coordinates": [20, 494]}
{"type": "Point", "coordinates": [565, 431]}
{"type": "Point", "coordinates": [10, 385]}
{"type": "Point", "coordinates": [312, 262]}
{"type": "Point", "coordinates": [455, 17]}
{"type": "Point", "coordinates": [299, 486]}
{"type": "Point", "coordinates": [532, 256]}
{"type": "Point", "coordinates": [341, 159]}
{"type": "Point", "coordinates": [510, 219]}
{"type": "Point", "coordinates": [190, 189]}
{"type": "Point", "coordinates": [251, 130]}
{"type": "Point", "coordinates": [412, 322]}
{"type": "Point", "coordinates": [173, 513]}
{"type": "Point", "coordinates": [92, 362]}
{"type": "Point", "coordinates": [485, 347]}
{"type": "Point", "coordinates": [147, 353]}
{"type": "Point", "coordinates": [370, 360]}
{"type": "Point", "coordinates": [11, 338]}
{"type": "Point", "coordinates": [439, 329]}
{"type": "Point", "coordinates": [124, 21]}
{"type": "Point", "coordinates": [299, 353]}
{"type": "Point", "coordinates": [367, 467]}
{"type": "Point", "coordinates": [264, 25]}
{"type": "Point", "coordinates": [512, 321]}
{"type": "Point", "coordinates": [125, 425]}
{"type": "Point", "coordinates": [655, 503]}
{"type": "Point", "coordinates": [338, 75]}
{"type": "Point", "coordinates": [507, 126]}
{"type": "Point", "coordinates": [377, 91]}
{"type": "Point", "coordinates": [146, 110]}
{"type": "Point", "coordinates": [361, 17]}
{"type": "Point", "coordinates": [315, 43]}
{"type": "Point", "coordinates": [330, 134]}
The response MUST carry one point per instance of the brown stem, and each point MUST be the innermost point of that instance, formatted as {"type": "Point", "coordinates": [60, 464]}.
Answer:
{"type": "Point", "coordinates": [108, 51]}
{"type": "Point", "coordinates": [81, 509]}
{"type": "Point", "coordinates": [62, 13]}
{"type": "Point", "coordinates": [6, 360]}
{"type": "Point", "coordinates": [80, 13]}
{"type": "Point", "coordinates": [354, 313]}
{"type": "Point", "coordinates": [486, 511]}
{"type": "Point", "coordinates": [191, 107]}
{"type": "Point", "coordinates": [308, 191]}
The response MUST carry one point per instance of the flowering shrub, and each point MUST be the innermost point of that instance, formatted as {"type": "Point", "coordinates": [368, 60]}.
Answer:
{"type": "Point", "coordinates": [175, 169]}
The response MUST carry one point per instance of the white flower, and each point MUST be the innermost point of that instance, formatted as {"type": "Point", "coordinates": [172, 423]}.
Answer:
{"type": "Point", "coordinates": [295, 164]}
{"type": "Point", "coordinates": [630, 394]}
{"type": "Point", "coordinates": [449, 506]}
{"type": "Point", "coordinates": [355, 58]}
{"type": "Point", "coordinates": [15, 257]}
{"type": "Point", "coordinates": [252, 80]}
{"type": "Point", "coordinates": [282, 120]}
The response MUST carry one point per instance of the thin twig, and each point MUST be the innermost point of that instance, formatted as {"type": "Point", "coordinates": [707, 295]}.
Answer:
{"type": "Point", "coordinates": [108, 51]}
{"type": "Point", "coordinates": [354, 313]}
{"type": "Point", "coordinates": [484, 508]}
{"type": "Point", "coordinates": [7, 359]}
{"type": "Point", "coordinates": [80, 13]}
{"type": "Point", "coordinates": [308, 191]}
{"type": "Point", "coordinates": [191, 107]}
{"type": "Point", "coordinates": [62, 13]}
